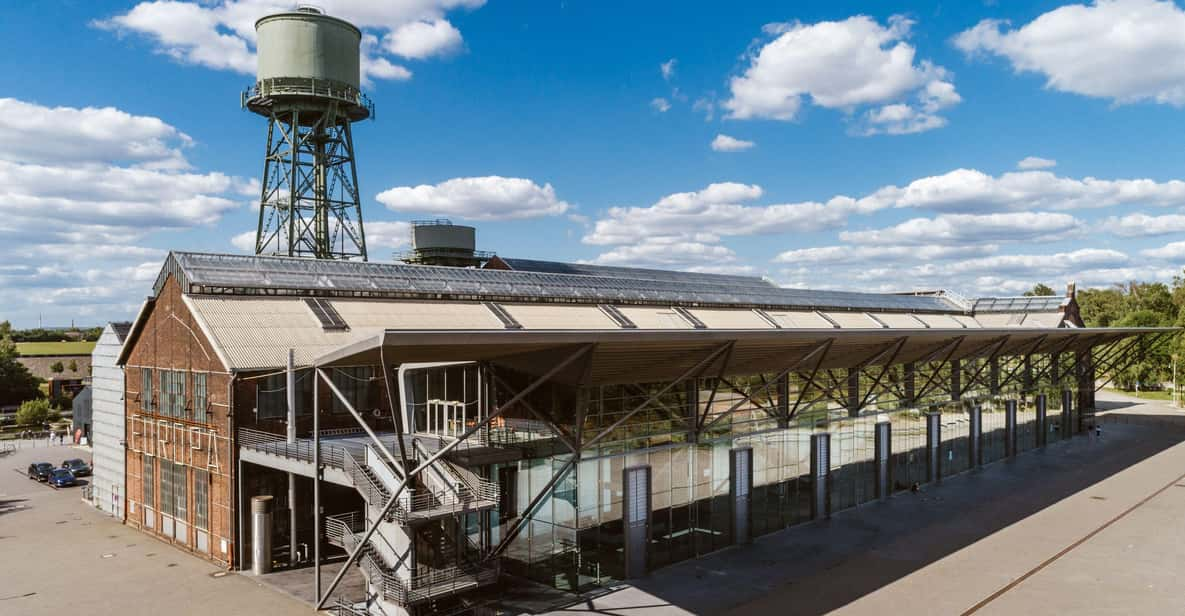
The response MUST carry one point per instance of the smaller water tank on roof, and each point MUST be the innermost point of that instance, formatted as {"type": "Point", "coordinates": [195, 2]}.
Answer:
{"type": "Point", "coordinates": [444, 236]}
{"type": "Point", "coordinates": [307, 44]}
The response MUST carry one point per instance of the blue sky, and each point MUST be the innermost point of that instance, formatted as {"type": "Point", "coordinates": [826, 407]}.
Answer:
{"type": "Point", "coordinates": [857, 146]}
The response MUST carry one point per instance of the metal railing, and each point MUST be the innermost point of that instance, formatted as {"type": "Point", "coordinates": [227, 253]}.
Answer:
{"type": "Point", "coordinates": [450, 580]}
{"type": "Point", "coordinates": [299, 86]}
{"type": "Point", "coordinates": [302, 449]}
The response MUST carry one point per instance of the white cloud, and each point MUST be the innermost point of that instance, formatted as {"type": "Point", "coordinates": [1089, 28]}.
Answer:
{"type": "Point", "coordinates": [478, 198]}
{"type": "Point", "coordinates": [972, 190]}
{"type": "Point", "coordinates": [1029, 163]}
{"type": "Point", "coordinates": [839, 255]}
{"type": "Point", "coordinates": [387, 235]}
{"type": "Point", "coordinates": [661, 105]}
{"type": "Point", "coordinates": [843, 65]}
{"type": "Point", "coordinates": [57, 135]}
{"type": "Point", "coordinates": [1143, 225]}
{"type": "Point", "coordinates": [423, 39]}
{"type": "Point", "coordinates": [724, 143]}
{"type": "Point", "coordinates": [1173, 251]}
{"type": "Point", "coordinates": [220, 34]}
{"type": "Point", "coordinates": [972, 228]}
{"type": "Point", "coordinates": [668, 69]}
{"type": "Point", "coordinates": [672, 253]}
{"type": "Point", "coordinates": [1122, 50]}
{"type": "Point", "coordinates": [80, 191]}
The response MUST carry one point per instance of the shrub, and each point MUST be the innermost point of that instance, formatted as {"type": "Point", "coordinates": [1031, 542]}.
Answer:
{"type": "Point", "coordinates": [33, 412]}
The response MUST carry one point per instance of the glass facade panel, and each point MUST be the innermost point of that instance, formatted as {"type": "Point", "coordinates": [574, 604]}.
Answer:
{"type": "Point", "coordinates": [199, 397]}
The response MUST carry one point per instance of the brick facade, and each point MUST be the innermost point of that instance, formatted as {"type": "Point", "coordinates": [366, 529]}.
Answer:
{"type": "Point", "coordinates": [168, 430]}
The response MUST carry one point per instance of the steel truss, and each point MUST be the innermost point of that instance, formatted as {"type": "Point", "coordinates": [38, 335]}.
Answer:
{"type": "Point", "coordinates": [309, 204]}
{"type": "Point", "coordinates": [995, 365]}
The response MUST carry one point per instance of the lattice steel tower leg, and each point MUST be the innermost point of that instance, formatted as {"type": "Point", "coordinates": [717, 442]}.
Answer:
{"type": "Point", "coordinates": [308, 89]}
{"type": "Point", "coordinates": [309, 204]}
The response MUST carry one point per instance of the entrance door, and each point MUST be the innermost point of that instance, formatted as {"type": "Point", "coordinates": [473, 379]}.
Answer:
{"type": "Point", "coordinates": [637, 520]}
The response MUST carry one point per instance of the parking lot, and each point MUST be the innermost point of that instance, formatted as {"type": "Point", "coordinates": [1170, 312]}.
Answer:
{"type": "Point", "coordinates": [61, 556]}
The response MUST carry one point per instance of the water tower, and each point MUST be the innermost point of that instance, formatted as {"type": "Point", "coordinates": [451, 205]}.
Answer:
{"type": "Point", "coordinates": [307, 86]}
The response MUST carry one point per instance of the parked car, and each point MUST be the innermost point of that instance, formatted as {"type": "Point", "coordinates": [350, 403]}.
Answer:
{"type": "Point", "coordinates": [61, 478]}
{"type": "Point", "coordinates": [40, 471]}
{"type": "Point", "coordinates": [77, 466]}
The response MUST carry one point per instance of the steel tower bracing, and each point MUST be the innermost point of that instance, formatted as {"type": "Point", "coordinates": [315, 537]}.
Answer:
{"type": "Point", "coordinates": [309, 205]}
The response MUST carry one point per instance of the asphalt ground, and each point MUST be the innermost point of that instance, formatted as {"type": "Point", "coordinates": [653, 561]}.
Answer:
{"type": "Point", "coordinates": [58, 555]}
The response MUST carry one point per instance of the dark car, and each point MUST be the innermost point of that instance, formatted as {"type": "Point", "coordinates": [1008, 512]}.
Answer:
{"type": "Point", "coordinates": [61, 478]}
{"type": "Point", "coordinates": [40, 471]}
{"type": "Point", "coordinates": [77, 466]}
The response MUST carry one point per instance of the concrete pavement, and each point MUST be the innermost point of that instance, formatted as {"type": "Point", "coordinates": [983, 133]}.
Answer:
{"type": "Point", "coordinates": [60, 556]}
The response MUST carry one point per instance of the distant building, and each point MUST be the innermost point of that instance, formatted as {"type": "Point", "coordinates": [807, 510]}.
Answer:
{"type": "Point", "coordinates": [108, 424]}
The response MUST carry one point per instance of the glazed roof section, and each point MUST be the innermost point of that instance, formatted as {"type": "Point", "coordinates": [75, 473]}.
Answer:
{"type": "Point", "coordinates": [223, 274]}
{"type": "Point", "coordinates": [1038, 303]}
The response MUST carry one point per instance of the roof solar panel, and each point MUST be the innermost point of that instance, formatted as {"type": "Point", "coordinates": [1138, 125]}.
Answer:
{"type": "Point", "coordinates": [257, 275]}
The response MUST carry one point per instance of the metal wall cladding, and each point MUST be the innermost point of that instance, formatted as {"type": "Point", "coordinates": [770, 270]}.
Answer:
{"type": "Point", "coordinates": [307, 45]}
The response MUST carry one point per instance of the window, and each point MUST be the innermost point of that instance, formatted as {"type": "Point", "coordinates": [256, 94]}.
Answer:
{"type": "Point", "coordinates": [173, 392]}
{"type": "Point", "coordinates": [354, 384]}
{"type": "Point", "coordinates": [146, 389]}
{"type": "Point", "coordinates": [201, 499]}
{"type": "Point", "coordinates": [271, 398]}
{"type": "Point", "coordinates": [149, 481]}
{"type": "Point", "coordinates": [180, 494]}
{"type": "Point", "coordinates": [166, 487]}
{"type": "Point", "coordinates": [199, 397]}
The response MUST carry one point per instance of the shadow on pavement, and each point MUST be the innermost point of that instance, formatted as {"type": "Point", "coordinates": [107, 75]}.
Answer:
{"type": "Point", "coordinates": [821, 566]}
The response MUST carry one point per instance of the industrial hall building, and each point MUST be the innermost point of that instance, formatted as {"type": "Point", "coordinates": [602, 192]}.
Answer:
{"type": "Point", "coordinates": [450, 426]}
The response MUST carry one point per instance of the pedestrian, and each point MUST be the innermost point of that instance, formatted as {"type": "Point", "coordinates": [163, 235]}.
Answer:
{"type": "Point", "coordinates": [1098, 430]}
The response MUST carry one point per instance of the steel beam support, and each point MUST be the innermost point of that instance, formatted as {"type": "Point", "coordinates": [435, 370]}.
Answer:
{"type": "Point", "coordinates": [956, 380]}
{"type": "Point", "coordinates": [994, 376]}
{"type": "Point", "coordinates": [696, 369]}
{"type": "Point", "coordinates": [910, 385]}
{"type": "Point", "coordinates": [317, 489]}
{"type": "Point", "coordinates": [780, 377]}
{"type": "Point", "coordinates": [353, 557]}
{"type": "Point", "coordinates": [546, 418]}
{"type": "Point", "coordinates": [1042, 425]}
{"type": "Point", "coordinates": [525, 518]}
{"type": "Point", "coordinates": [852, 399]}
{"type": "Point", "coordinates": [975, 437]}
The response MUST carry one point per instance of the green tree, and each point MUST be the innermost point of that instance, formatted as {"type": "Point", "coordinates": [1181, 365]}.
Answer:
{"type": "Point", "coordinates": [33, 412]}
{"type": "Point", "coordinates": [73, 366]}
{"type": "Point", "coordinates": [57, 367]}
{"type": "Point", "coordinates": [16, 383]}
{"type": "Point", "coordinates": [1040, 290]}
{"type": "Point", "coordinates": [1101, 307]}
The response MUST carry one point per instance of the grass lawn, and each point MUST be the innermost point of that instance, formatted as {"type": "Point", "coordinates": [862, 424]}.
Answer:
{"type": "Point", "coordinates": [1146, 395]}
{"type": "Point", "coordinates": [35, 349]}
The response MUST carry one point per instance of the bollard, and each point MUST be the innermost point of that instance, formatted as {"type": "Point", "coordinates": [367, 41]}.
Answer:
{"type": "Point", "coordinates": [261, 534]}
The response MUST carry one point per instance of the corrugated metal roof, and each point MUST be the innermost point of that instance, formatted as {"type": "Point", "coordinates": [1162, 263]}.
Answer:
{"type": "Point", "coordinates": [219, 274]}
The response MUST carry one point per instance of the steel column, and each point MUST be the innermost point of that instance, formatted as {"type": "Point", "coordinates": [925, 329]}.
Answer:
{"type": "Point", "coordinates": [975, 437]}
{"type": "Point", "coordinates": [820, 476]}
{"type": "Point", "coordinates": [884, 455]}
{"type": "Point", "coordinates": [933, 446]}
{"type": "Point", "coordinates": [1010, 428]}
{"type": "Point", "coordinates": [1042, 426]}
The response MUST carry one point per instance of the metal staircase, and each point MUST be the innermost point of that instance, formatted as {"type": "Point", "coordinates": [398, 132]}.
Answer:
{"type": "Point", "coordinates": [443, 493]}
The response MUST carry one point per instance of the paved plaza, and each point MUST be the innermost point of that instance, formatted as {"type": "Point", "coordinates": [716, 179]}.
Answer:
{"type": "Point", "coordinates": [59, 556]}
{"type": "Point", "coordinates": [1089, 526]}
